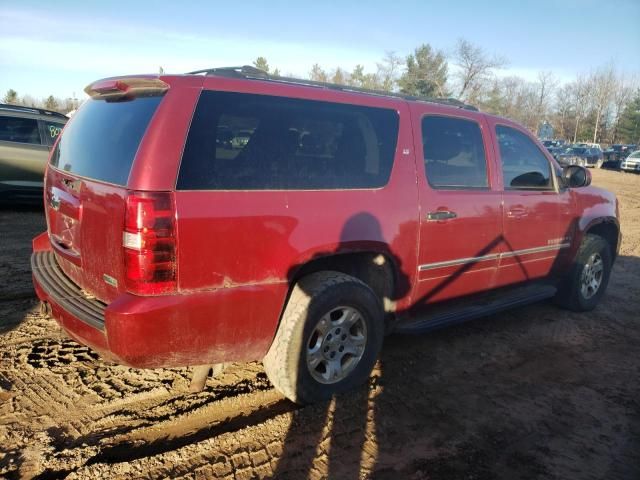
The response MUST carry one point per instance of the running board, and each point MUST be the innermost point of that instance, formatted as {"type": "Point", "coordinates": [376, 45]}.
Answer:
{"type": "Point", "coordinates": [454, 315]}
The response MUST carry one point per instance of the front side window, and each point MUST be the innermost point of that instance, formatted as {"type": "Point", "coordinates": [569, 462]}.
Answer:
{"type": "Point", "coordinates": [453, 153]}
{"type": "Point", "coordinates": [523, 164]}
{"type": "Point", "coordinates": [20, 130]}
{"type": "Point", "coordinates": [259, 142]}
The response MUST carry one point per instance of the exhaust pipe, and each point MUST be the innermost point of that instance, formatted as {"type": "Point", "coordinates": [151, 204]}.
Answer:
{"type": "Point", "coordinates": [201, 373]}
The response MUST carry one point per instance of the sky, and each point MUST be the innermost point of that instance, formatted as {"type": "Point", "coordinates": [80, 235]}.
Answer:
{"type": "Point", "coordinates": [60, 47]}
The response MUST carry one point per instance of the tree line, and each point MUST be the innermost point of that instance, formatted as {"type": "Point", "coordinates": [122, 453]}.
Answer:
{"type": "Point", "coordinates": [599, 106]}
{"type": "Point", "coordinates": [56, 104]}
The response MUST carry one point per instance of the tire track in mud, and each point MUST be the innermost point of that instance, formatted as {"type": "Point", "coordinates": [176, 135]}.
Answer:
{"type": "Point", "coordinates": [535, 392]}
{"type": "Point", "coordinates": [94, 413]}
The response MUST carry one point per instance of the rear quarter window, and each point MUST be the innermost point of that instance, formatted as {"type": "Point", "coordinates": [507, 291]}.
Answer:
{"type": "Point", "coordinates": [101, 140]}
{"type": "Point", "coordinates": [258, 142]}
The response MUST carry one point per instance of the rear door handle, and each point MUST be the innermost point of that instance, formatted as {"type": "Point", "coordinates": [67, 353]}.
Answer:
{"type": "Point", "coordinates": [440, 215]}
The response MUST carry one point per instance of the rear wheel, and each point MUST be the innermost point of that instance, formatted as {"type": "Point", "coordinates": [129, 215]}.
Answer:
{"type": "Point", "coordinates": [328, 340]}
{"type": "Point", "coordinates": [589, 276]}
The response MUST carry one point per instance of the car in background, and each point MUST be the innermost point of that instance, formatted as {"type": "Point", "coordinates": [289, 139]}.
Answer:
{"type": "Point", "coordinates": [589, 145]}
{"type": "Point", "coordinates": [583, 156]}
{"type": "Point", "coordinates": [224, 138]}
{"type": "Point", "coordinates": [26, 137]}
{"type": "Point", "coordinates": [614, 155]}
{"type": "Point", "coordinates": [241, 139]}
{"type": "Point", "coordinates": [555, 151]}
{"type": "Point", "coordinates": [631, 163]}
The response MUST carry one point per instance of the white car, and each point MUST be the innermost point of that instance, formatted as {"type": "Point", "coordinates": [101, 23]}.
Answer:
{"type": "Point", "coordinates": [632, 162]}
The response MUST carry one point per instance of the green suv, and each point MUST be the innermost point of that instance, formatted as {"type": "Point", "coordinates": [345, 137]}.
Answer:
{"type": "Point", "coordinates": [26, 136]}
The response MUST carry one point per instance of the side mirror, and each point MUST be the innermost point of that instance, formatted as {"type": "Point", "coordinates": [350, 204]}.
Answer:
{"type": "Point", "coordinates": [575, 176]}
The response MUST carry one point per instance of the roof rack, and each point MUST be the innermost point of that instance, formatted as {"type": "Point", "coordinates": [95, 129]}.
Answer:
{"type": "Point", "coordinates": [37, 111]}
{"type": "Point", "coordinates": [252, 73]}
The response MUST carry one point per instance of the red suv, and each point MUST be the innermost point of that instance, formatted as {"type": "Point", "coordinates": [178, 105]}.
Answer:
{"type": "Point", "coordinates": [321, 219]}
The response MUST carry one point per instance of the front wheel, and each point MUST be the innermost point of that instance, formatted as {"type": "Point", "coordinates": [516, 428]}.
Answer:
{"type": "Point", "coordinates": [328, 340]}
{"type": "Point", "coordinates": [588, 279]}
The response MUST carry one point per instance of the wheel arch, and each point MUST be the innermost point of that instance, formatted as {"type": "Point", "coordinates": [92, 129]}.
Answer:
{"type": "Point", "coordinates": [607, 228]}
{"type": "Point", "coordinates": [375, 267]}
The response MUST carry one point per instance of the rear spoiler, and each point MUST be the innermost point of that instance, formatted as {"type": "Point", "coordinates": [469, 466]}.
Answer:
{"type": "Point", "coordinates": [122, 88]}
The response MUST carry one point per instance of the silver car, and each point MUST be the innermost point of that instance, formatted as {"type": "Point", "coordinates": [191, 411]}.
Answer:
{"type": "Point", "coordinates": [632, 162]}
{"type": "Point", "coordinates": [26, 137]}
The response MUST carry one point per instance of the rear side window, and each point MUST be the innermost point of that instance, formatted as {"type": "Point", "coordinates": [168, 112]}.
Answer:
{"type": "Point", "coordinates": [20, 130]}
{"type": "Point", "coordinates": [453, 153]}
{"type": "Point", "coordinates": [102, 139]}
{"type": "Point", "coordinates": [52, 131]}
{"type": "Point", "coordinates": [523, 165]}
{"type": "Point", "coordinates": [257, 142]}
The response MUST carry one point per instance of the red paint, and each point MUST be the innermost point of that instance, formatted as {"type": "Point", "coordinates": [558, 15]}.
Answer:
{"type": "Point", "coordinates": [237, 251]}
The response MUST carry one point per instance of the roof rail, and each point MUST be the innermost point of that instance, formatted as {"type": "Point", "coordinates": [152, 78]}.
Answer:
{"type": "Point", "coordinates": [252, 73]}
{"type": "Point", "coordinates": [37, 111]}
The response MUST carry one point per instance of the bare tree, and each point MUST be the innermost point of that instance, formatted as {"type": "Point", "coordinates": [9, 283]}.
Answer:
{"type": "Point", "coordinates": [603, 84]}
{"type": "Point", "coordinates": [389, 69]}
{"type": "Point", "coordinates": [475, 68]}
{"type": "Point", "coordinates": [580, 93]}
{"type": "Point", "coordinates": [564, 110]}
{"type": "Point", "coordinates": [545, 86]}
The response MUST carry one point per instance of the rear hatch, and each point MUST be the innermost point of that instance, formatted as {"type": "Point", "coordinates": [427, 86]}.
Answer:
{"type": "Point", "coordinates": [86, 183]}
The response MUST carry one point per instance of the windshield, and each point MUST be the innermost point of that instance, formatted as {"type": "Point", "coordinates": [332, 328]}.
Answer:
{"type": "Point", "coordinates": [635, 154]}
{"type": "Point", "coordinates": [577, 151]}
{"type": "Point", "coordinates": [102, 139]}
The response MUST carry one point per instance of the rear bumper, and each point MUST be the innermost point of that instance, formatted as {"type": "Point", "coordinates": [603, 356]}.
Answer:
{"type": "Point", "coordinates": [227, 324]}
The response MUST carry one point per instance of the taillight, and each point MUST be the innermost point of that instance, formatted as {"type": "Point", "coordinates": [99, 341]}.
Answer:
{"type": "Point", "coordinates": [149, 243]}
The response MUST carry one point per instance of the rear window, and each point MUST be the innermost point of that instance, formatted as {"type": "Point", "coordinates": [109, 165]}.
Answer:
{"type": "Point", "coordinates": [102, 139]}
{"type": "Point", "coordinates": [19, 130]}
{"type": "Point", "coordinates": [259, 142]}
{"type": "Point", "coordinates": [52, 131]}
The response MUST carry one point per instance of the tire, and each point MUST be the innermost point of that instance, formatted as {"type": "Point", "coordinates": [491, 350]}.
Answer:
{"type": "Point", "coordinates": [312, 332]}
{"type": "Point", "coordinates": [577, 293]}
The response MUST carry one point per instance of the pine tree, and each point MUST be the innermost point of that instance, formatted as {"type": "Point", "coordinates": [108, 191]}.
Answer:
{"type": "Point", "coordinates": [630, 121]}
{"type": "Point", "coordinates": [51, 103]}
{"type": "Point", "coordinates": [318, 74]}
{"type": "Point", "coordinates": [11, 97]}
{"type": "Point", "coordinates": [261, 63]}
{"type": "Point", "coordinates": [426, 73]}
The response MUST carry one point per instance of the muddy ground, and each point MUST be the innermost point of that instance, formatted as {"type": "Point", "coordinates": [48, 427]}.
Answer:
{"type": "Point", "coordinates": [533, 393]}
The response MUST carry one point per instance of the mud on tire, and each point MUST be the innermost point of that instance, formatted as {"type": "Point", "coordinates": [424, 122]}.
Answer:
{"type": "Point", "coordinates": [317, 307]}
{"type": "Point", "coordinates": [571, 294]}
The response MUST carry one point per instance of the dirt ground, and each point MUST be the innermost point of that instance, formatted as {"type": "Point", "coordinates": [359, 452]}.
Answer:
{"type": "Point", "coordinates": [536, 392]}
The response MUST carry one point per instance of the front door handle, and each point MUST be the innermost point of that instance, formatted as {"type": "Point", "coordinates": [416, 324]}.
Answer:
{"type": "Point", "coordinates": [517, 211]}
{"type": "Point", "coordinates": [440, 215]}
